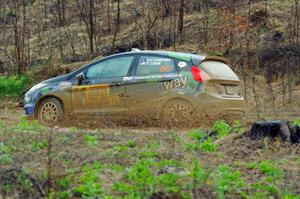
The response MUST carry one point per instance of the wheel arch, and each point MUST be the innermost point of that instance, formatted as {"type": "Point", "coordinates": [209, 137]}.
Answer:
{"type": "Point", "coordinates": [160, 110]}
{"type": "Point", "coordinates": [43, 99]}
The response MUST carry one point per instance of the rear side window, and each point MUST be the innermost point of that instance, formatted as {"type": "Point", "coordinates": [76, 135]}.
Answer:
{"type": "Point", "coordinates": [153, 65]}
{"type": "Point", "coordinates": [115, 67]}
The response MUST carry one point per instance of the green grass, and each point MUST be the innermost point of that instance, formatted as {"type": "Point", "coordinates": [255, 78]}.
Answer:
{"type": "Point", "coordinates": [131, 168]}
{"type": "Point", "coordinates": [13, 86]}
{"type": "Point", "coordinates": [296, 122]}
{"type": "Point", "coordinates": [221, 128]}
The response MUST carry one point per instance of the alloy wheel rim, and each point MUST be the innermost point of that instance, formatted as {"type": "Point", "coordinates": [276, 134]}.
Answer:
{"type": "Point", "coordinates": [49, 113]}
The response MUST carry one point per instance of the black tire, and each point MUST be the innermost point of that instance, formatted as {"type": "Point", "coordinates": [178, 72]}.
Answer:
{"type": "Point", "coordinates": [178, 113]}
{"type": "Point", "coordinates": [50, 112]}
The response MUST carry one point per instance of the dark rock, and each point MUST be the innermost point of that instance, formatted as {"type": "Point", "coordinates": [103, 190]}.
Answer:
{"type": "Point", "coordinates": [283, 129]}
{"type": "Point", "coordinates": [278, 36]}
{"type": "Point", "coordinates": [162, 195]}
{"type": "Point", "coordinates": [260, 16]}
{"type": "Point", "coordinates": [171, 169]}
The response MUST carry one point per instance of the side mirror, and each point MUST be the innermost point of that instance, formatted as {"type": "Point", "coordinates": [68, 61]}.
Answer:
{"type": "Point", "coordinates": [80, 77]}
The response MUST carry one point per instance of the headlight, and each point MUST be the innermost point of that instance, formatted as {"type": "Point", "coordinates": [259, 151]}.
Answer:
{"type": "Point", "coordinates": [29, 95]}
{"type": "Point", "coordinates": [28, 98]}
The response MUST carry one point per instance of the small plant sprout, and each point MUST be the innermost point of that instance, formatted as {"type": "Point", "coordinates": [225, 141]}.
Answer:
{"type": "Point", "coordinates": [198, 135]}
{"type": "Point", "coordinates": [39, 145]}
{"type": "Point", "coordinates": [90, 182]}
{"type": "Point", "coordinates": [131, 144]}
{"type": "Point", "coordinates": [269, 168]}
{"type": "Point", "coordinates": [198, 175]}
{"type": "Point", "coordinates": [237, 127]}
{"type": "Point", "coordinates": [228, 181]}
{"type": "Point", "coordinates": [90, 140]}
{"type": "Point", "coordinates": [26, 126]}
{"type": "Point", "coordinates": [222, 128]}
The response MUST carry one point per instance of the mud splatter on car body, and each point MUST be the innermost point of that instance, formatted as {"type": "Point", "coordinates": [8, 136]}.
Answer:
{"type": "Point", "coordinates": [141, 84]}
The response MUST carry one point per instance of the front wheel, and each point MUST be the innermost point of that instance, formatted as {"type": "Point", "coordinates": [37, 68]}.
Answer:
{"type": "Point", "coordinates": [50, 112]}
{"type": "Point", "coordinates": [178, 113]}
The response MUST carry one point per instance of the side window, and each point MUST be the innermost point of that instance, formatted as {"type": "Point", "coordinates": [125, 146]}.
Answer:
{"type": "Point", "coordinates": [115, 67]}
{"type": "Point", "coordinates": [153, 65]}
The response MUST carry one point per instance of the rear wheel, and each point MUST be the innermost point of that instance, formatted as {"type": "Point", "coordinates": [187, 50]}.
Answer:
{"type": "Point", "coordinates": [178, 113]}
{"type": "Point", "coordinates": [50, 111]}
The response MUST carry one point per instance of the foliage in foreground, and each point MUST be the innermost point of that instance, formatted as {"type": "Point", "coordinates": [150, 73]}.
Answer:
{"type": "Point", "coordinates": [149, 171]}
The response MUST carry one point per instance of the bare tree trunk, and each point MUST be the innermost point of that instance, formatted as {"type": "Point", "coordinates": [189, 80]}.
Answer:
{"type": "Point", "coordinates": [232, 25]}
{"type": "Point", "coordinates": [91, 20]}
{"type": "Point", "coordinates": [108, 16]}
{"type": "Point", "coordinates": [181, 21]}
{"type": "Point", "coordinates": [174, 27]}
{"type": "Point", "coordinates": [24, 30]}
{"type": "Point", "coordinates": [117, 26]}
{"type": "Point", "coordinates": [63, 8]}
{"type": "Point", "coordinates": [17, 37]}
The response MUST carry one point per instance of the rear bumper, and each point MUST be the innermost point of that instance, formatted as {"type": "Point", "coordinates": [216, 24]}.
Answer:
{"type": "Point", "coordinates": [215, 105]}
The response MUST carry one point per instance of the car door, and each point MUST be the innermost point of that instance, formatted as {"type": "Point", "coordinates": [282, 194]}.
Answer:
{"type": "Point", "coordinates": [152, 79]}
{"type": "Point", "coordinates": [103, 87]}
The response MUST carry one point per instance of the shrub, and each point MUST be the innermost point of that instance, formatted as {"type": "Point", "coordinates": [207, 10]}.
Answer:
{"type": "Point", "coordinates": [297, 122]}
{"type": "Point", "coordinates": [13, 86]}
{"type": "Point", "coordinates": [222, 128]}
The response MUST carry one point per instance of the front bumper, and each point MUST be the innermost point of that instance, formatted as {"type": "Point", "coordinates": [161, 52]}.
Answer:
{"type": "Point", "coordinates": [29, 110]}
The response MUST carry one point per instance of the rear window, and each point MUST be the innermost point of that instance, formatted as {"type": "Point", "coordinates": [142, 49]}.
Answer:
{"type": "Point", "coordinates": [218, 70]}
{"type": "Point", "coordinates": [152, 65]}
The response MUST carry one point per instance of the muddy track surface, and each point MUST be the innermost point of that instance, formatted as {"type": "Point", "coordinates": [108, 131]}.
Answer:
{"type": "Point", "coordinates": [45, 157]}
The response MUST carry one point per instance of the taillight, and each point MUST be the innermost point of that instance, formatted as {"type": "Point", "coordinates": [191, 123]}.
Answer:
{"type": "Point", "coordinates": [199, 75]}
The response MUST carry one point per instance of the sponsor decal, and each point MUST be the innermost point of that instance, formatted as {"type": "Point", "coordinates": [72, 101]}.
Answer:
{"type": "Point", "coordinates": [94, 94]}
{"type": "Point", "coordinates": [176, 83]}
{"type": "Point", "coordinates": [90, 94]}
{"type": "Point", "coordinates": [171, 75]}
{"type": "Point", "coordinates": [182, 64]}
{"type": "Point", "coordinates": [45, 90]}
{"type": "Point", "coordinates": [64, 85]}
{"type": "Point", "coordinates": [151, 77]}
{"type": "Point", "coordinates": [127, 78]}
{"type": "Point", "coordinates": [165, 69]}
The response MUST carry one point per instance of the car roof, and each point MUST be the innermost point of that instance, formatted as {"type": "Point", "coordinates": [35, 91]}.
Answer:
{"type": "Point", "coordinates": [173, 54]}
{"type": "Point", "coordinates": [179, 55]}
{"type": "Point", "coordinates": [159, 52]}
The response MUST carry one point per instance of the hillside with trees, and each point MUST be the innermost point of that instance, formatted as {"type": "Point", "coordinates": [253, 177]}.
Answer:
{"type": "Point", "coordinates": [98, 158]}
{"type": "Point", "coordinates": [259, 37]}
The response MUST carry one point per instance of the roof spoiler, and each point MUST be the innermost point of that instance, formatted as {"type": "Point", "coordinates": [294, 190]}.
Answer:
{"type": "Point", "coordinates": [215, 58]}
